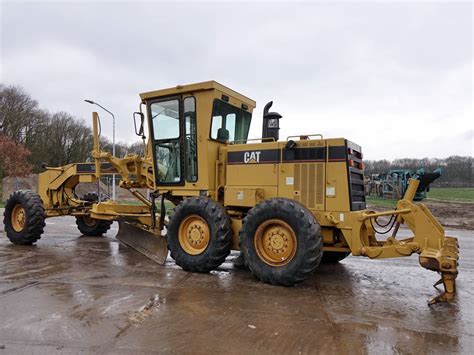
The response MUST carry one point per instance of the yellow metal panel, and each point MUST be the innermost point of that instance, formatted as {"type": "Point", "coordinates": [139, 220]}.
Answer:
{"type": "Point", "coordinates": [335, 141]}
{"type": "Point", "coordinates": [194, 88]}
{"type": "Point", "coordinates": [44, 179]}
{"type": "Point", "coordinates": [337, 183]}
{"type": "Point", "coordinates": [251, 171]}
{"type": "Point", "coordinates": [252, 146]}
{"type": "Point", "coordinates": [86, 178]}
{"type": "Point", "coordinates": [242, 196]}
{"type": "Point", "coordinates": [286, 181]}
{"type": "Point", "coordinates": [337, 187]}
{"type": "Point", "coordinates": [252, 175]}
{"type": "Point", "coordinates": [180, 191]}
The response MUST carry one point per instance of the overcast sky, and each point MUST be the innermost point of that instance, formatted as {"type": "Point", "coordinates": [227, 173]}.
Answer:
{"type": "Point", "coordinates": [396, 78]}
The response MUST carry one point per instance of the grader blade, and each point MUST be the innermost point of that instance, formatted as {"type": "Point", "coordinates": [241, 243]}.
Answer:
{"type": "Point", "coordinates": [146, 243]}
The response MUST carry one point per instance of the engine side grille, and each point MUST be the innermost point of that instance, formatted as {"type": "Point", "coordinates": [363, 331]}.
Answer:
{"type": "Point", "coordinates": [309, 179]}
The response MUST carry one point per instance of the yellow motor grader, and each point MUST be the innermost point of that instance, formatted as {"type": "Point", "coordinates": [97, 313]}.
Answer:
{"type": "Point", "coordinates": [287, 205]}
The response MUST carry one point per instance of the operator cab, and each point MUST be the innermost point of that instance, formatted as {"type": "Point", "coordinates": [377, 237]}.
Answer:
{"type": "Point", "coordinates": [189, 120]}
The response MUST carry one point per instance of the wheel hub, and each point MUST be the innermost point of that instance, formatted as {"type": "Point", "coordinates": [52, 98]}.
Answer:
{"type": "Point", "coordinates": [275, 242]}
{"type": "Point", "coordinates": [18, 218]}
{"type": "Point", "coordinates": [89, 221]}
{"type": "Point", "coordinates": [194, 235]}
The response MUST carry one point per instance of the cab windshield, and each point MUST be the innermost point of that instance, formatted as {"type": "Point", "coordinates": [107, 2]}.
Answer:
{"type": "Point", "coordinates": [165, 118]}
{"type": "Point", "coordinates": [229, 123]}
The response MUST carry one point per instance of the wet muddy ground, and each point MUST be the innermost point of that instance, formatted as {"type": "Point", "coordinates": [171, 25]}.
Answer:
{"type": "Point", "coordinates": [73, 294]}
{"type": "Point", "coordinates": [452, 214]}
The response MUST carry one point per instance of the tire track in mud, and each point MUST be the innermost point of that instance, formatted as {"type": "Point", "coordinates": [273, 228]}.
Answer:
{"type": "Point", "coordinates": [20, 288]}
{"type": "Point", "coordinates": [138, 317]}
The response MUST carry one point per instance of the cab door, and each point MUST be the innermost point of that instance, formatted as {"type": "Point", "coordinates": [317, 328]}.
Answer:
{"type": "Point", "coordinates": [165, 116]}
{"type": "Point", "coordinates": [173, 129]}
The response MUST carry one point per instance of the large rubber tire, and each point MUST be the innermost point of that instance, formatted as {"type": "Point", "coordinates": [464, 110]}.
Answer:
{"type": "Point", "coordinates": [92, 227]}
{"type": "Point", "coordinates": [203, 211]}
{"type": "Point", "coordinates": [332, 257]}
{"type": "Point", "coordinates": [29, 225]}
{"type": "Point", "coordinates": [307, 252]}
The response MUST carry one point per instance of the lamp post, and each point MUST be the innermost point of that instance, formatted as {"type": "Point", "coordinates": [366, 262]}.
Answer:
{"type": "Point", "coordinates": [113, 140]}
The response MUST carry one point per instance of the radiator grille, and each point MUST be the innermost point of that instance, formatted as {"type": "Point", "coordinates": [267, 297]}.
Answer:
{"type": "Point", "coordinates": [356, 176]}
{"type": "Point", "coordinates": [309, 183]}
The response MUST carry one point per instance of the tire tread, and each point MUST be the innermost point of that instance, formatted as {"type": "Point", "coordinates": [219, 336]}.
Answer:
{"type": "Point", "coordinates": [217, 219]}
{"type": "Point", "coordinates": [310, 230]}
{"type": "Point", "coordinates": [101, 227]}
{"type": "Point", "coordinates": [35, 217]}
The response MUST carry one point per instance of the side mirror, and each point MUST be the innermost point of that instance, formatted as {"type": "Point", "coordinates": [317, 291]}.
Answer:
{"type": "Point", "coordinates": [139, 131]}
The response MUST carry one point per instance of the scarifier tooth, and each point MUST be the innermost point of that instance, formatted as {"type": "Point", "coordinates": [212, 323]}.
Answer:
{"type": "Point", "coordinates": [440, 299]}
{"type": "Point", "coordinates": [439, 282]}
{"type": "Point", "coordinates": [449, 283]}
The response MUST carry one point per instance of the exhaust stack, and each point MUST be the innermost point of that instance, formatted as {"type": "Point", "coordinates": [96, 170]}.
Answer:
{"type": "Point", "coordinates": [271, 124]}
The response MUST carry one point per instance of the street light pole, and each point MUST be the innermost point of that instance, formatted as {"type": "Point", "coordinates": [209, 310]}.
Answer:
{"type": "Point", "coordinates": [113, 140]}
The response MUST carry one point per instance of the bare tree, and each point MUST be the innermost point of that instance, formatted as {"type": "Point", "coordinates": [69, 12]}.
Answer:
{"type": "Point", "coordinates": [69, 140]}
{"type": "Point", "coordinates": [17, 112]}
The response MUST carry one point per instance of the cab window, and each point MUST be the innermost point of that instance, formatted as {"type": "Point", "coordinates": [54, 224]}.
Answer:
{"type": "Point", "coordinates": [229, 123]}
{"type": "Point", "coordinates": [190, 139]}
{"type": "Point", "coordinates": [165, 117]}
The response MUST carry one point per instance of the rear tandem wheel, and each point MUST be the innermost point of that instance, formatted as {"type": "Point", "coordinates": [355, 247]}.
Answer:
{"type": "Point", "coordinates": [281, 242]}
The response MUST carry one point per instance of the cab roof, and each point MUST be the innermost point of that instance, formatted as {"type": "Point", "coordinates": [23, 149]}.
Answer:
{"type": "Point", "coordinates": [192, 88]}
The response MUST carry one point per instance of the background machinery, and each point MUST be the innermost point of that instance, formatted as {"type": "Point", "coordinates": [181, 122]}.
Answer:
{"type": "Point", "coordinates": [394, 183]}
{"type": "Point", "coordinates": [286, 205]}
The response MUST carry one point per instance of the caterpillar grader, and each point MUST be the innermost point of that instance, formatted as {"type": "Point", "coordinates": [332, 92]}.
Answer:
{"type": "Point", "coordinates": [287, 205]}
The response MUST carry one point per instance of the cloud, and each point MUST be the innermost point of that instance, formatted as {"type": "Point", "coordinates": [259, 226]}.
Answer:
{"type": "Point", "coordinates": [393, 77]}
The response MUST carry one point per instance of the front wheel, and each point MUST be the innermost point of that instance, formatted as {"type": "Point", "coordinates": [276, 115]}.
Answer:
{"type": "Point", "coordinates": [24, 217]}
{"type": "Point", "coordinates": [89, 226]}
{"type": "Point", "coordinates": [281, 242]}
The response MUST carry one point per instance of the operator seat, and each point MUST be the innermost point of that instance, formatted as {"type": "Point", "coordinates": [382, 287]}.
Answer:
{"type": "Point", "coordinates": [223, 134]}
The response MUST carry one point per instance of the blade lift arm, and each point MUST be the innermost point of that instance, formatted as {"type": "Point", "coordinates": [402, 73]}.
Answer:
{"type": "Point", "coordinates": [137, 224]}
{"type": "Point", "coordinates": [136, 171]}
